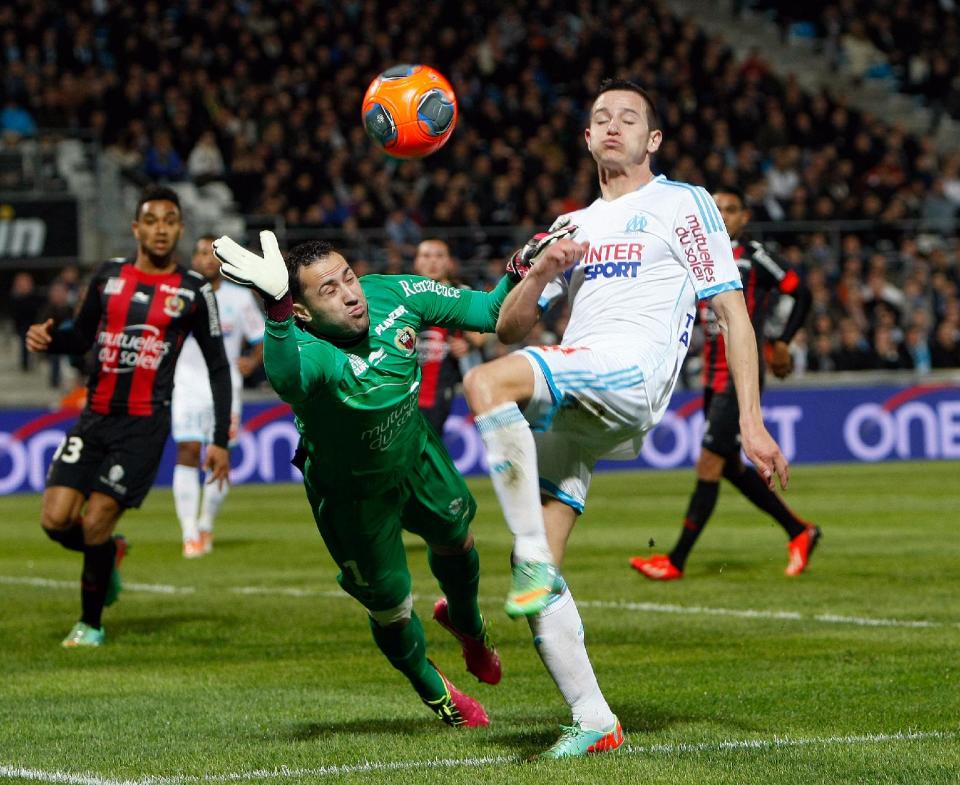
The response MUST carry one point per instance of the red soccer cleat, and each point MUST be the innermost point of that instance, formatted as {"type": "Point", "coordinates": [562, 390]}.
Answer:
{"type": "Point", "coordinates": [800, 548]}
{"type": "Point", "coordinates": [657, 567]}
{"type": "Point", "coordinates": [479, 653]}
{"type": "Point", "coordinates": [456, 708]}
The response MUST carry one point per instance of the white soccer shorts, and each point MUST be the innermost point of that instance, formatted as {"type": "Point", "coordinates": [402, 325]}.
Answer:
{"type": "Point", "coordinates": [587, 404]}
{"type": "Point", "coordinates": [192, 417]}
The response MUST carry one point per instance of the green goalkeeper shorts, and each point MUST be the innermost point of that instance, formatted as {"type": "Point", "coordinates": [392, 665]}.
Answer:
{"type": "Point", "coordinates": [363, 534]}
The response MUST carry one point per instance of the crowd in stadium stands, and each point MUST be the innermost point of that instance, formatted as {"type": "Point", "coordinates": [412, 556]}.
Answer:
{"type": "Point", "coordinates": [916, 42]}
{"type": "Point", "coordinates": [264, 96]}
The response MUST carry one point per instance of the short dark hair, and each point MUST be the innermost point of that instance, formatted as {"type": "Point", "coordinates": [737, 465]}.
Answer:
{"type": "Point", "coordinates": [304, 255]}
{"type": "Point", "coordinates": [653, 119]}
{"type": "Point", "coordinates": [156, 193]}
{"type": "Point", "coordinates": [733, 190]}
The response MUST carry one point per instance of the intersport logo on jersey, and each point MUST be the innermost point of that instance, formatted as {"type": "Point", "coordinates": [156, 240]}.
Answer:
{"type": "Point", "coordinates": [137, 346]}
{"type": "Point", "coordinates": [612, 260]}
{"type": "Point", "coordinates": [693, 240]}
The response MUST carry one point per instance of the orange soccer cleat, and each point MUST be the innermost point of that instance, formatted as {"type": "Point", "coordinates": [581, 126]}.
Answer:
{"type": "Point", "coordinates": [800, 548]}
{"type": "Point", "coordinates": [657, 567]}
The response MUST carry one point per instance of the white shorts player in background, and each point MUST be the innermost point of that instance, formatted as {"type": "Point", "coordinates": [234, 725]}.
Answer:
{"type": "Point", "coordinates": [197, 506]}
{"type": "Point", "coordinates": [645, 253]}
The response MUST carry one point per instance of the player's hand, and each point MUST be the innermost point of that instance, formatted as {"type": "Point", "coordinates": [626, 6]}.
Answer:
{"type": "Point", "coordinates": [39, 336]}
{"type": "Point", "coordinates": [217, 465]}
{"type": "Point", "coordinates": [559, 257]}
{"type": "Point", "coordinates": [534, 249]}
{"type": "Point", "coordinates": [267, 274]}
{"type": "Point", "coordinates": [246, 365]}
{"type": "Point", "coordinates": [459, 347]}
{"type": "Point", "coordinates": [781, 363]}
{"type": "Point", "coordinates": [764, 453]}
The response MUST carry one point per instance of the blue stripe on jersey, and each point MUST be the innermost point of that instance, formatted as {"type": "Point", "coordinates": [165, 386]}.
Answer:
{"type": "Point", "coordinates": [255, 341]}
{"type": "Point", "coordinates": [716, 211]}
{"type": "Point", "coordinates": [589, 381]}
{"type": "Point", "coordinates": [726, 286]}
{"type": "Point", "coordinates": [559, 495]}
{"type": "Point", "coordinates": [709, 221]}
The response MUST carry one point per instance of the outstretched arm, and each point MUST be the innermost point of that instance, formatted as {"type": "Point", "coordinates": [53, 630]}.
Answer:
{"type": "Point", "coordinates": [521, 310]}
{"type": "Point", "coordinates": [741, 346]}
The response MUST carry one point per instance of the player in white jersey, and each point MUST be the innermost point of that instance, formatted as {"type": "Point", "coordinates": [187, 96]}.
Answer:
{"type": "Point", "coordinates": [645, 252]}
{"type": "Point", "coordinates": [192, 409]}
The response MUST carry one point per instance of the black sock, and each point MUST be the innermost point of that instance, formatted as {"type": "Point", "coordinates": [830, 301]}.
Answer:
{"type": "Point", "coordinates": [750, 484]}
{"type": "Point", "coordinates": [702, 502]}
{"type": "Point", "coordinates": [71, 539]}
{"type": "Point", "coordinates": [97, 568]}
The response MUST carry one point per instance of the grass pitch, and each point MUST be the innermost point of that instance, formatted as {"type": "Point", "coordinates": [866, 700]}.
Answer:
{"type": "Point", "coordinates": [250, 665]}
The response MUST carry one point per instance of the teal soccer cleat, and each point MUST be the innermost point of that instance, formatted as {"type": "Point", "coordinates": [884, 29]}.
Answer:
{"type": "Point", "coordinates": [84, 636]}
{"type": "Point", "coordinates": [534, 584]}
{"type": "Point", "coordinates": [577, 742]}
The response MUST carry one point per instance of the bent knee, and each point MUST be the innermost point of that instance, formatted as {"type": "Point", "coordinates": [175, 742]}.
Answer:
{"type": "Point", "coordinates": [454, 550]}
{"type": "Point", "coordinates": [397, 616]}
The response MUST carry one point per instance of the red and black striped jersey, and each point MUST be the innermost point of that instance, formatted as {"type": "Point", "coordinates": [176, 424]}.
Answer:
{"type": "Point", "coordinates": [440, 369]}
{"type": "Point", "coordinates": [137, 323]}
{"type": "Point", "coordinates": [761, 276]}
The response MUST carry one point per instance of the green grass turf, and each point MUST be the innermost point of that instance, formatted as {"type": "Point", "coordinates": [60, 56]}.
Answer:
{"type": "Point", "coordinates": [222, 681]}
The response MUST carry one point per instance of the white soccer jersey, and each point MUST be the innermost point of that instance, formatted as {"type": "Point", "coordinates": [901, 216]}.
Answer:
{"type": "Point", "coordinates": [241, 319]}
{"type": "Point", "coordinates": [653, 253]}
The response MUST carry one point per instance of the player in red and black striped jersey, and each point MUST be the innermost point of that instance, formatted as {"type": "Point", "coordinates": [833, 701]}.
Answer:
{"type": "Point", "coordinates": [719, 457]}
{"type": "Point", "coordinates": [441, 351]}
{"type": "Point", "coordinates": [136, 315]}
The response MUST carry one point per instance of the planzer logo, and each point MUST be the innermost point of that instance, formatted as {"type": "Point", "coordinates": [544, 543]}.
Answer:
{"type": "Point", "coordinates": [387, 323]}
{"type": "Point", "coordinates": [406, 340]}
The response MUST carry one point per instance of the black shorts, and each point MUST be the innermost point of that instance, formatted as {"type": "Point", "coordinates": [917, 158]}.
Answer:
{"type": "Point", "coordinates": [721, 427]}
{"type": "Point", "coordinates": [114, 454]}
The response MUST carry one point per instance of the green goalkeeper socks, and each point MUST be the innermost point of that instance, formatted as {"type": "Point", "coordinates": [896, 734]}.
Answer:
{"type": "Point", "coordinates": [406, 648]}
{"type": "Point", "coordinates": [459, 578]}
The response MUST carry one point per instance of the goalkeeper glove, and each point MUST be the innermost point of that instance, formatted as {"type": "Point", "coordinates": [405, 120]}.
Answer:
{"type": "Point", "coordinates": [267, 274]}
{"type": "Point", "coordinates": [524, 259]}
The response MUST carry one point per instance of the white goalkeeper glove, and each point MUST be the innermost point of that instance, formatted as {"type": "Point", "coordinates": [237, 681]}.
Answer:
{"type": "Point", "coordinates": [267, 274]}
{"type": "Point", "coordinates": [525, 258]}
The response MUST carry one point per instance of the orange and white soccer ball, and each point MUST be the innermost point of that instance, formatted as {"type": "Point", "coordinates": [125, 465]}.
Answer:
{"type": "Point", "coordinates": [410, 111]}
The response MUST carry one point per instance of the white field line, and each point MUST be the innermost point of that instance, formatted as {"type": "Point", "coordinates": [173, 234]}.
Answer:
{"type": "Point", "coordinates": [617, 605]}
{"type": "Point", "coordinates": [285, 772]}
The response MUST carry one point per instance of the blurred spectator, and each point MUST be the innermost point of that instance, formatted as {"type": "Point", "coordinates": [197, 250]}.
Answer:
{"type": "Point", "coordinates": [891, 356]}
{"type": "Point", "coordinates": [854, 352]}
{"type": "Point", "coordinates": [945, 346]}
{"type": "Point", "coordinates": [16, 121]}
{"type": "Point", "coordinates": [162, 162]}
{"type": "Point", "coordinates": [25, 303]}
{"type": "Point", "coordinates": [58, 308]}
{"type": "Point", "coordinates": [918, 348]}
{"type": "Point", "coordinates": [205, 162]}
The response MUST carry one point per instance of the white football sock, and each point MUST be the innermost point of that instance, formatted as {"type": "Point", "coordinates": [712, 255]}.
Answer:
{"type": "Point", "coordinates": [512, 458]}
{"type": "Point", "coordinates": [213, 496]}
{"type": "Point", "coordinates": [558, 636]}
{"type": "Point", "coordinates": [186, 498]}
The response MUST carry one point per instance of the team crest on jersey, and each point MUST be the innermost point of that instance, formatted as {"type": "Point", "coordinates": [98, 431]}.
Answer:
{"type": "Point", "coordinates": [636, 224]}
{"type": "Point", "coordinates": [406, 339]}
{"type": "Point", "coordinates": [173, 306]}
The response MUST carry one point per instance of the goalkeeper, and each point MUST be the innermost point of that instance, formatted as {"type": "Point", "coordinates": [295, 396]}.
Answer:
{"type": "Point", "coordinates": [342, 352]}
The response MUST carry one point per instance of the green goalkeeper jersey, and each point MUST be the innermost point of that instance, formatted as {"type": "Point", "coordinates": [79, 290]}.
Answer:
{"type": "Point", "coordinates": [356, 406]}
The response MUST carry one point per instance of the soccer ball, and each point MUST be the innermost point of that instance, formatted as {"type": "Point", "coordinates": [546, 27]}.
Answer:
{"type": "Point", "coordinates": [409, 111]}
